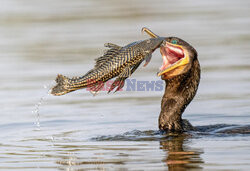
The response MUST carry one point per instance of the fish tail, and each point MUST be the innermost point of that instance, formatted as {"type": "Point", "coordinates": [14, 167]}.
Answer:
{"type": "Point", "coordinates": [63, 86]}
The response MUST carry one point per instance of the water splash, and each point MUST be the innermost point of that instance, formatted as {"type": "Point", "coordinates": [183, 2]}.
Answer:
{"type": "Point", "coordinates": [37, 113]}
{"type": "Point", "coordinates": [39, 103]}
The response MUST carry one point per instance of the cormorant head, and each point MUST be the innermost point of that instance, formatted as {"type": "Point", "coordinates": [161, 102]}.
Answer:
{"type": "Point", "coordinates": [177, 56]}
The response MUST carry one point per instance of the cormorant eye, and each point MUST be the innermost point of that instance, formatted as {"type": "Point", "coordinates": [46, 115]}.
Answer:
{"type": "Point", "coordinates": [174, 41]}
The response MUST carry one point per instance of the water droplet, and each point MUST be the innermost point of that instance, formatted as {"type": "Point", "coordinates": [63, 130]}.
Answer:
{"type": "Point", "coordinates": [36, 111]}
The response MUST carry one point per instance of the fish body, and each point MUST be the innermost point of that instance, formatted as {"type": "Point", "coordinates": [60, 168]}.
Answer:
{"type": "Point", "coordinates": [118, 62]}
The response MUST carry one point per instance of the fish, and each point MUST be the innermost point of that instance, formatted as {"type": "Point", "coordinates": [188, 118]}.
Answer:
{"type": "Point", "coordinates": [117, 62]}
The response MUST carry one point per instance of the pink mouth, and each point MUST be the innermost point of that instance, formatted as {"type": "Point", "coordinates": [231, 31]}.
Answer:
{"type": "Point", "coordinates": [170, 55]}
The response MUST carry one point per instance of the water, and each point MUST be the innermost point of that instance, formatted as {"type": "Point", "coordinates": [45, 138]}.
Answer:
{"type": "Point", "coordinates": [40, 39]}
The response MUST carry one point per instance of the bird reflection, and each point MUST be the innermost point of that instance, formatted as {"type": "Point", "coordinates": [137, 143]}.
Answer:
{"type": "Point", "coordinates": [180, 156]}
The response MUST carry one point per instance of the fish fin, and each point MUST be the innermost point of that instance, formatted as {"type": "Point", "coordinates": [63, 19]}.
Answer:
{"type": "Point", "coordinates": [147, 59]}
{"type": "Point", "coordinates": [119, 83]}
{"type": "Point", "coordinates": [112, 46]}
{"type": "Point", "coordinates": [120, 80]}
{"type": "Point", "coordinates": [62, 87]}
{"type": "Point", "coordinates": [100, 61]}
{"type": "Point", "coordinates": [108, 55]}
{"type": "Point", "coordinates": [134, 67]}
{"type": "Point", "coordinates": [113, 85]}
{"type": "Point", "coordinates": [96, 88]}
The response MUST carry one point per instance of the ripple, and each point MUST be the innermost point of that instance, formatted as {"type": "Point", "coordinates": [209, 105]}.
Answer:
{"type": "Point", "coordinates": [135, 135]}
{"type": "Point", "coordinates": [156, 135]}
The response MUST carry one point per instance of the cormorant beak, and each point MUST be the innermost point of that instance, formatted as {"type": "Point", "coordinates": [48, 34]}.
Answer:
{"type": "Point", "coordinates": [175, 58]}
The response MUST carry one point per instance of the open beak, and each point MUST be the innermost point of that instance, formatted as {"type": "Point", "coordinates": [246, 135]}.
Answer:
{"type": "Point", "coordinates": [174, 57]}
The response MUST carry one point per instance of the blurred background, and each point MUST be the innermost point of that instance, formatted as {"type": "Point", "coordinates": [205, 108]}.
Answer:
{"type": "Point", "coordinates": [39, 39]}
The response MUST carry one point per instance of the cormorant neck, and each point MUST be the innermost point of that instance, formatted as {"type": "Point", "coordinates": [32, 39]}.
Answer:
{"type": "Point", "coordinates": [179, 92]}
